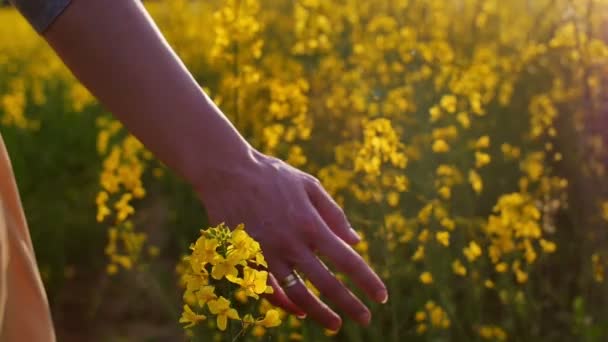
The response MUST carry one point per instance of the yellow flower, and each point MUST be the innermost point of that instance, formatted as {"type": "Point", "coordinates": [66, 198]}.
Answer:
{"type": "Point", "coordinates": [463, 119]}
{"type": "Point", "coordinates": [248, 320]}
{"type": "Point", "coordinates": [426, 278]}
{"type": "Point", "coordinates": [190, 318]}
{"type": "Point", "coordinates": [481, 159]}
{"type": "Point", "coordinates": [419, 254]}
{"type": "Point", "coordinates": [547, 246]}
{"type": "Point", "coordinates": [482, 142]}
{"type": "Point", "coordinates": [258, 331]}
{"type": "Point", "coordinates": [533, 165]}
{"type": "Point", "coordinates": [223, 267]}
{"type": "Point", "coordinates": [438, 317]}
{"type": "Point", "coordinates": [221, 308]}
{"type": "Point", "coordinates": [253, 281]}
{"type": "Point", "coordinates": [259, 259]}
{"type": "Point", "coordinates": [420, 316]}
{"type": "Point", "coordinates": [530, 252]}
{"type": "Point", "coordinates": [440, 146]}
{"type": "Point", "coordinates": [423, 236]}
{"type": "Point", "coordinates": [272, 319]}
{"type": "Point", "coordinates": [490, 332]}
{"type": "Point", "coordinates": [486, 332]}
{"type": "Point", "coordinates": [509, 151]}
{"type": "Point", "coordinates": [447, 223]}
{"type": "Point", "coordinates": [435, 113]}
{"type": "Point", "coordinates": [445, 192]}
{"type": "Point", "coordinates": [102, 198]}
{"type": "Point", "coordinates": [501, 267]}
{"type": "Point", "coordinates": [241, 296]}
{"type": "Point", "coordinates": [206, 248]}
{"type": "Point", "coordinates": [195, 281]}
{"type": "Point", "coordinates": [448, 132]}
{"type": "Point", "coordinates": [598, 267]}
{"type": "Point", "coordinates": [458, 268]}
{"type": "Point", "coordinates": [425, 213]}
{"type": "Point", "coordinates": [448, 102]}
{"type": "Point", "coordinates": [102, 212]}
{"type": "Point", "coordinates": [472, 252]}
{"type": "Point", "coordinates": [443, 238]}
{"type": "Point", "coordinates": [475, 103]}
{"type": "Point", "coordinates": [604, 209]}
{"type": "Point", "coordinates": [476, 181]}
{"type": "Point", "coordinates": [111, 269]}
{"type": "Point", "coordinates": [243, 244]}
{"type": "Point", "coordinates": [205, 294]}
{"type": "Point", "coordinates": [123, 207]}
{"type": "Point", "coordinates": [521, 276]}
{"type": "Point", "coordinates": [393, 199]}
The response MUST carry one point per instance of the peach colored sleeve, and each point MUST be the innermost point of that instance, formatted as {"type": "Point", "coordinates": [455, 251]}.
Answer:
{"type": "Point", "coordinates": [24, 309]}
{"type": "Point", "coordinates": [3, 263]}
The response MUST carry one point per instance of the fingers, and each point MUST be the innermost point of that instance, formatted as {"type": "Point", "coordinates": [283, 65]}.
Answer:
{"type": "Point", "coordinates": [333, 288]}
{"type": "Point", "coordinates": [349, 262]}
{"type": "Point", "coordinates": [331, 213]}
{"type": "Point", "coordinates": [303, 298]}
{"type": "Point", "coordinates": [279, 298]}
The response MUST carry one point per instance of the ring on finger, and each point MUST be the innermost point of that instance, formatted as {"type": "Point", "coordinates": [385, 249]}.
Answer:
{"type": "Point", "coordinates": [292, 279]}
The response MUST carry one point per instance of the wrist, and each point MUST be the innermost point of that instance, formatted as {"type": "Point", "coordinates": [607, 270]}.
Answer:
{"type": "Point", "coordinates": [226, 172]}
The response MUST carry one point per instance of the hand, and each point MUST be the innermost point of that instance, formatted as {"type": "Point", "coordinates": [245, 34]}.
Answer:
{"type": "Point", "coordinates": [292, 217]}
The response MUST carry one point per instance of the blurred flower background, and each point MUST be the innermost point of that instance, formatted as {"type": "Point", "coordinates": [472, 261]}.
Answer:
{"type": "Point", "coordinates": [465, 139]}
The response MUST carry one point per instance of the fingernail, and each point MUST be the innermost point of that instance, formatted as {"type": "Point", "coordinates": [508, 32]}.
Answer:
{"type": "Point", "coordinates": [301, 316]}
{"type": "Point", "coordinates": [355, 235]}
{"type": "Point", "coordinates": [337, 326]}
{"type": "Point", "coordinates": [382, 296]}
{"type": "Point", "coordinates": [365, 317]}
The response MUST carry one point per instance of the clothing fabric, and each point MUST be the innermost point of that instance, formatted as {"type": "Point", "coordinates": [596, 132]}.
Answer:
{"type": "Point", "coordinates": [40, 13]}
{"type": "Point", "coordinates": [24, 309]}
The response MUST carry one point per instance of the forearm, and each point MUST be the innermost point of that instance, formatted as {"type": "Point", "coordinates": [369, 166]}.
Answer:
{"type": "Point", "coordinates": [116, 51]}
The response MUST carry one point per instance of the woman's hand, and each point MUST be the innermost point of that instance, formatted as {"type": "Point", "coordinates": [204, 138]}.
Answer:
{"type": "Point", "coordinates": [293, 218]}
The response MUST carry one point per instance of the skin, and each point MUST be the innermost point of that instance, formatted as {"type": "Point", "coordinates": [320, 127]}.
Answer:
{"type": "Point", "coordinates": [115, 49]}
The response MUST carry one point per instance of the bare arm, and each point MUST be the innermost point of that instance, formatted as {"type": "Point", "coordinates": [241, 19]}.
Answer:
{"type": "Point", "coordinates": [115, 49]}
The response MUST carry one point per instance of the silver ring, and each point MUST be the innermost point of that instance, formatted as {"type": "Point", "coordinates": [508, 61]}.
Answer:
{"type": "Point", "coordinates": [289, 281]}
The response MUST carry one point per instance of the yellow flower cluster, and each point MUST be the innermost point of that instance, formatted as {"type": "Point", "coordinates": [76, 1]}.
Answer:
{"type": "Point", "coordinates": [513, 231]}
{"type": "Point", "coordinates": [124, 247]}
{"type": "Point", "coordinates": [287, 122]}
{"type": "Point", "coordinates": [370, 169]}
{"type": "Point", "coordinates": [492, 333]}
{"type": "Point", "coordinates": [598, 266]}
{"type": "Point", "coordinates": [13, 104]}
{"type": "Point", "coordinates": [222, 266]}
{"type": "Point", "coordinates": [313, 28]}
{"type": "Point", "coordinates": [121, 183]}
{"type": "Point", "coordinates": [432, 316]}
